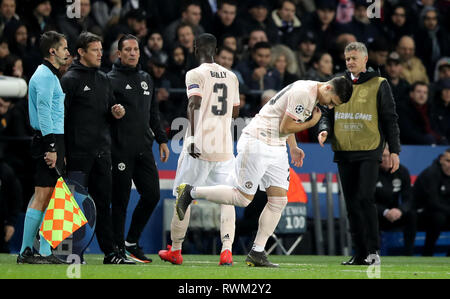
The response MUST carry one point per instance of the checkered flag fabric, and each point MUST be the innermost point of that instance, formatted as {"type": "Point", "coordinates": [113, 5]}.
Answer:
{"type": "Point", "coordinates": [62, 217]}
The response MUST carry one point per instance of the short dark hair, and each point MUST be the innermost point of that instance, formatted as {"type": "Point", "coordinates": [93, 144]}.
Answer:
{"type": "Point", "coordinates": [226, 49]}
{"type": "Point", "coordinates": [48, 40]}
{"type": "Point", "coordinates": [417, 83]}
{"type": "Point", "coordinates": [85, 39]}
{"type": "Point", "coordinates": [206, 43]}
{"type": "Point", "coordinates": [343, 88]}
{"type": "Point", "coordinates": [261, 45]}
{"type": "Point", "coordinates": [124, 38]}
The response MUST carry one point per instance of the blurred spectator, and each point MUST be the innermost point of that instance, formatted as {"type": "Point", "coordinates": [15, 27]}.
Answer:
{"type": "Point", "coordinates": [441, 71]}
{"type": "Point", "coordinates": [106, 12]}
{"type": "Point", "coordinates": [177, 66]}
{"type": "Point", "coordinates": [257, 73]}
{"type": "Point", "coordinates": [378, 53]}
{"type": "Point", "coordinates": [134, 22]}
{"type": "Point", "coordinates": [417, 7]}
{"type": "Point", "coordinates": [191, 14]}
{"type": "Point", "coordinates": [395, 202]}
{"type": "Point", "coordinates": [322, 67]}
{"type": "Point", "coordinates": [432, 40]}
{"type": "Point", "coordinates": [185, 37]}
{"type": "Point", "coordinates": [361, 26]}
{"type": "Point", "coordinates": [399, 86]}
{"type": "Point", "coordinates": [230, 41]}
{"type": "Point", "coordinates": [157, 66]}
{"type": "Point", "coordinates": [10, 204]}
{"type": "Point", "coordinates": [39, 21]}
{"type": "Point", "coordinates": [153, 45]}
{"type": "Point", "coordinates": [14, 67]}
{"type": "Point", "coordinates": [255, 36]}
{"type": "Point", "coordinates": [7, 13]}
{"type": "Point", "coordinates": [4, 48]}
{"type": "Point", "coordinates": [305, 51]}
{"type": "Point", "coordinates": [344, 12]}
{"type": "Point", "coordinates": [337, 51]}
{"type": "Point", "coordinates": [432, 191]}
{"type": "Point", "coordinates": [412, 67]}
{"type": "Point", "coordinates": [399, 23]}
{"type": "Point", "coordinates": [323, 23]}
{"type": "Point", "coordinates": [225, 22]}
{"type": "Point", "coordinates": [257, 17]}
{"type": "Point", "coordinates": [287, 23]}
{"type": "Point", "coordinates": [414, 118]}
{"type": "Point", "coordinates": [441, 109]}
{"type": "Point", "coordinates": [72, 27]}
{"type": "Point", "coordinates": [20, 45]}
{"type": "Point", "coordinates": [283, 60]}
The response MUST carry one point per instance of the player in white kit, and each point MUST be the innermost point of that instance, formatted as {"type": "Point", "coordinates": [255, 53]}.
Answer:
{"type": "Point", "coordinates": [207, 157]}
{"type": "Point", "coordinates": [262, 157]}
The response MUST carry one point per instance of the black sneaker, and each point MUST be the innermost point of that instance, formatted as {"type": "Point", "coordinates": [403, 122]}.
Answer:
{"type": "Point", "coordinates": [50, 260]}
{"type": "Point", "coordinates": [184, 199]}
{"type": "Point", "coordinates": [355, 261]}
{"type": "Point", "coordinates": [259, 259]}
{"type": "Point", "coordinates": [116, 258]}
{"type": "Point", "coordinates": [135, 253]}
{"type": "Point", "coordinates": [26, 257]}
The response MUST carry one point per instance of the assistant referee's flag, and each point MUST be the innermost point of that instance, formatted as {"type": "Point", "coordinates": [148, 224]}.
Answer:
{"type": "Point", "coordinates": [62, 217]}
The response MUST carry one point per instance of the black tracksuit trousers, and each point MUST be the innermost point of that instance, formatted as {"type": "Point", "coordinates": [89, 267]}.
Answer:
{"type": "Point", "coordinates": [141, 168]}
{"type": "Point", "coordinates": [359, 180]}
{"type": "Point", "coordinates": [98, 180]}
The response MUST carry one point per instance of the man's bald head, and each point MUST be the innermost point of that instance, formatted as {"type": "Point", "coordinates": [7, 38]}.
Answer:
{"type": "Point", "coordinates": [406, 48]}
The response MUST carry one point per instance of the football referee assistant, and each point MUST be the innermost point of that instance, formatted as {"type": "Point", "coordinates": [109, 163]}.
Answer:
{"type": "Point", "coordinates": [132, 139]}
{"type": "Point", "coordinates": [46, 110]}
{"type": "Point", "coordinates": [360, 129]}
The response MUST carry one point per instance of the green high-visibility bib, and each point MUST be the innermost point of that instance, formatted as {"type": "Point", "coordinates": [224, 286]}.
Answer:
{"type": "Point", "coordinates": [356, 122]}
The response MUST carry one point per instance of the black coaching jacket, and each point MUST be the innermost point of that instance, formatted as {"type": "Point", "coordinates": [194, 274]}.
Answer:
{"type": "Point", "coordinates": [134, 89]}
{"type": "Point", "coordinates": [88, 118]}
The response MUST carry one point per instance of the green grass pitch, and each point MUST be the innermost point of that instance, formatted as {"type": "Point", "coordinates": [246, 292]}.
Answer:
{"type": "Point", "coordinates": [206, 267]}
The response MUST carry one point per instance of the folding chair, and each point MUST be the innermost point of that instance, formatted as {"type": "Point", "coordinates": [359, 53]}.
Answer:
{"type": "Point", "coordinates": [292, 222]}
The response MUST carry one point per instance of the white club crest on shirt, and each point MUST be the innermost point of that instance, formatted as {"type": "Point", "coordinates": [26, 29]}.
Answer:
{"type": "Point", "coordinates": [299, 109]}
{"type": "Point", "coordinates": [121, 166]}
{"type": "Point", "coordinates": [144, 85]}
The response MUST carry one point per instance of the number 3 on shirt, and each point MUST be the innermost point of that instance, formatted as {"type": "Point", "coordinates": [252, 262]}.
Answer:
{"type": "Point", "coordinates": [221, 98]}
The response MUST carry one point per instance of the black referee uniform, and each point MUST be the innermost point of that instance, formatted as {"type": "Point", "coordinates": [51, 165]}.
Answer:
{"type": "Point", "coordinates": [132, 156]}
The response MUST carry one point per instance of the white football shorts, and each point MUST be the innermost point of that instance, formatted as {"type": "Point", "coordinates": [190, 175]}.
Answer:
{"type": "Point", "coordinates": [258, 163]}
{"type": "Point", "coordinates": [197, 172]}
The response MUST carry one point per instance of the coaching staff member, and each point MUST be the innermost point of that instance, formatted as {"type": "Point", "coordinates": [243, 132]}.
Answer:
{"type": "Point", "coordinates": [360, 129]}
{"type": "Point", "coordinates": [90, 110]}
{"type": "Point", "coordinates": [132, 138]}
{"type": "Point", "coordinates": [46, 110]}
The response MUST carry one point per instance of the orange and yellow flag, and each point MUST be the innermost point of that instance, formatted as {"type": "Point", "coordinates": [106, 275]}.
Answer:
{"type": "Point", "coordinates": [63, 216]}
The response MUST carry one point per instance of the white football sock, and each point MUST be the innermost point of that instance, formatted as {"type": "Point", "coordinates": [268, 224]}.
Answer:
{"type": "Point", "coordinates": [221, 194]}
{"type": "Point", "coordinates": [227, 226]}
{"type": "Point", "coordinates": [178, 229]}
{"type": "Point", "coordinates": [269, 218]}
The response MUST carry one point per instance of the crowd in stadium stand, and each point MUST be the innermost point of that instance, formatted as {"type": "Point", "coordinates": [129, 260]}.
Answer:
{"type": "Point", "coordinates": [268, 44]}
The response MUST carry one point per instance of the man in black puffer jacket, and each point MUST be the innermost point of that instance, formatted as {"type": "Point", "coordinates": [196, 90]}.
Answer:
{"type": "Point", "coordinates": [90, 110]}
{"type": "Point", "coordinates": [132, 139]}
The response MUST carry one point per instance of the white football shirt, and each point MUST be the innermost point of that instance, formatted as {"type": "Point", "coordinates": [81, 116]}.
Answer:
{"type": "Point", "coordinates": [219, 89]}
{"type": "Point", "coordinates": [296, 100]}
